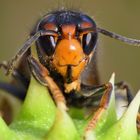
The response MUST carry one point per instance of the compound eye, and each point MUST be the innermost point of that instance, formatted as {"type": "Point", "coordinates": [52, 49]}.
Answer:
{"type": "Point", "coordinates": [52, 41]}
{"type": "Point", "coordinates": [48, 43]}
{"type": "Point", "coordinates": [89, 42]}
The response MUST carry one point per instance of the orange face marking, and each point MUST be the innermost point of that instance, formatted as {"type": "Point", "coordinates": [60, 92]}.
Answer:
{"type": "Point", "coordinates": [85, 25]}
{"type": "Point", "coordinates": [69, 52]}
{"type": "Point", "coordinates": [76, 70]}
{"type": "Point", "coordinates": [51, 26]}
{"type": "Point", "coordinates": [68, 31]}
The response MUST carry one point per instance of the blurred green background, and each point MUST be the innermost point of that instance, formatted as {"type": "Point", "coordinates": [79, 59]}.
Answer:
{"type": "Point", "coordinates": [121, 16]}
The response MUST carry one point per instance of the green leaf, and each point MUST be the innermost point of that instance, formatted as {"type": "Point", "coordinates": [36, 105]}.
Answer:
{"type": "Point", "coordinates": [38, 112]}
{"type": "Point", "coordinates": [107, 119]}
{"type": "Point", "coordinates": [63, 128]}
{"type": "Point", "coordinates": [125, 128]}
{"type": "Point", "coordinates": [79, 118]}
{"type": "Point", "coordinates": [40, 119]}
{"type": "Point", "coordinates": [5, 132]}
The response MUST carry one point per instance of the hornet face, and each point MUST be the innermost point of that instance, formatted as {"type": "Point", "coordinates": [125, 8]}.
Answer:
{"type": "Point", "coordinates": [70, 45]}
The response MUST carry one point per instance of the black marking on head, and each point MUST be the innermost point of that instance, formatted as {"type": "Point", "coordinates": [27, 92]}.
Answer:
{"type": "Point", "coordinates": [61, 17]}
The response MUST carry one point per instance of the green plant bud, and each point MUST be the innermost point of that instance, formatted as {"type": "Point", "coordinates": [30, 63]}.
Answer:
{"type": "Point", "coordinates": [63, 128]}
{"type": "Point", "coordinates": [125, 127]}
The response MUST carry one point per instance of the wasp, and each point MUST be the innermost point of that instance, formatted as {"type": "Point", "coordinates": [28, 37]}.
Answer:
{"type": "Point", "coordinates": [65, 42]}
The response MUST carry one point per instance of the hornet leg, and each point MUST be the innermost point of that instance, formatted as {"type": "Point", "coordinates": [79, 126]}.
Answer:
{"type": "Point", "coordinates": [42, 75]}
{"type": "Point", "coordinates": [102, 107]}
